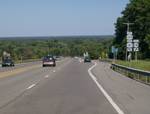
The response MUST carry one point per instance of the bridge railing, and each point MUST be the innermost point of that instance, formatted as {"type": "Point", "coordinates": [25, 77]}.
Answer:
{"type": "Point", "coordinates": [140, 75]}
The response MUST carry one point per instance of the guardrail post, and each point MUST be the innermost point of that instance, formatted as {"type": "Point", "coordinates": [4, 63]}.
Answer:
{"type": "Point", "coordinates": [146, 79]}
{"type": "Point", "coordinates": [138, 76]}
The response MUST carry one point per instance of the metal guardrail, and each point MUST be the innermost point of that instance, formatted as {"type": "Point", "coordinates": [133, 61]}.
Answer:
{"type": "Point", "coordinates": [139, 75]}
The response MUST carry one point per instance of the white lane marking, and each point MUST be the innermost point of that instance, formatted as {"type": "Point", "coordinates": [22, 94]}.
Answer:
{"type": "Point", "coordinates": [116, 107]}
{"type": "Point", "coordinates": [54, 71]}
{"type": "Point", "coordinates": [46, 76]}
{"type": "Point", "coordinates": [31, 86]}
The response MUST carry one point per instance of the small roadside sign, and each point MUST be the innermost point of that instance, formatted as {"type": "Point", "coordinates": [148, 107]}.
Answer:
{"type": "Point", "coordinates": [129, 33]}
{"type": "Point", "coordinates": [129, 45]}
{"type": "Point", "coordinates": [129, 49]}
{"type": "Point", "coordinates": [129, 40]}
{"type": "Point", "coordinates": [136, 49]}
{"type": "Point", "coordinates": [112, 49]}
{"type": "Point", "coordinates": [136, 41]}
{"type": "Point", "coordinates": [129, 36]}
{"type": "Point", "coordinates": [116, 50]}
{"type": "Point", "coordinates": [136, 45]}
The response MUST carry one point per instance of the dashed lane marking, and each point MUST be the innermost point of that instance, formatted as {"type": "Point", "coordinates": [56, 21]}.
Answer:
{"type": "Point", "coordinates": [31, 86]}
{"type": "Point", "coordinates": [46, 76]}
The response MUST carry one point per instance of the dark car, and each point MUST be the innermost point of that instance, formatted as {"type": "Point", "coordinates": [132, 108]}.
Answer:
{"type": "Point", "coordinates": [49, 61]}
{"type": "Point", "coordinates": [7, 63]}
{"type": "Point", "coordinates": [87, 59]}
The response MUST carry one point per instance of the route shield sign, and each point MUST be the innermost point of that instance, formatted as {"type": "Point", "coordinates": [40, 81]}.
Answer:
{"type": "Point", "coordinates": [129, 45]}
{"type": "Point", "coordinates": [136, 45]}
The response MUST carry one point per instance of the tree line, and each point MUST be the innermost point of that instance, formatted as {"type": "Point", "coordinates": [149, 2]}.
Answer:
{"type": "Point", "coordinates": [37, 48]}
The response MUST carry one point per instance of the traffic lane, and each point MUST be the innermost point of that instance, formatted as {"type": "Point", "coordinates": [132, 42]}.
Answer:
{"type": "Point", "coordinates": [13, 86]}
{"type": "Point", "coordinates": [131, 96]}
{"type": "Point", "coordinates": [10, 72]}
{"type": "Point", "coordinates": [71, 91]}
{"type": "Point", "coordinates": [3, 69]}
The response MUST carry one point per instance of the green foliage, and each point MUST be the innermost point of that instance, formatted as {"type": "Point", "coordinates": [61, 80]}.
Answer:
{"type": "Point", "coordinates": [143, 65]}
{"type": "Point", "coordinates": [35, 49]}
{"type": "Point", "coordinates": [137, 12]}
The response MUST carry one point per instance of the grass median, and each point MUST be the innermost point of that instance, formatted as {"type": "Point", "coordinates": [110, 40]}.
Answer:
{"type": "Point", "coordinates": [139, 64]}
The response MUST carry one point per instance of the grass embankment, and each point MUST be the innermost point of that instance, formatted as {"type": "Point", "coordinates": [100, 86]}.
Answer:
{"type": "Point", "coordinates": [140, 64]}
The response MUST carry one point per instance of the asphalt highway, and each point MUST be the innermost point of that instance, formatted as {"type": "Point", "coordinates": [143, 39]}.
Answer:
{"type": "Point", "coordinates": [3, 69]}
{"type": "Point", "coordinates": [72, 87]}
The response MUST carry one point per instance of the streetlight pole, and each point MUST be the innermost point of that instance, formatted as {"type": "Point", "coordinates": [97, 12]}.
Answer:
{"type": "Point", "coordinates": [128, 30]}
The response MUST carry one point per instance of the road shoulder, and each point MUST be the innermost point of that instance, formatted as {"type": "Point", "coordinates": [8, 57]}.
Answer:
{"type": "Point", "coordinates": [130, 95]}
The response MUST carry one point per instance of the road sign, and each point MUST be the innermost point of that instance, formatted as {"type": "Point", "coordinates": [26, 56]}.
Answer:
{"type": "Point", "coordinates": [129, 40]}
{"type": "Point", "coordinates": [129, 49]}
{"type": "Point", "coordinates": [129, 44]}
{"type": "Point", "coordinates": [136, 41]}
{"type": "Point", "coordinates": [136, 49]}
{"type": "Point", "coordinates": [113, 49]}
{"type": "Point", "coordinates": [129, 36]}
{"type": "Point", "coordinates": [129, 33]}
{"type": "Point", "coordinates": [136, 45]}
{"type": "Point", "coordinates": [116, 50]}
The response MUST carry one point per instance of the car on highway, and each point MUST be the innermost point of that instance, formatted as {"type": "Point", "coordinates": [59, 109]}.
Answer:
{"type": "Point", "coordinates": [8, 63]}
{"type": "Point", "coordinates": [49, 61]}
{"type": "Point", "coordinates": [87, 59]}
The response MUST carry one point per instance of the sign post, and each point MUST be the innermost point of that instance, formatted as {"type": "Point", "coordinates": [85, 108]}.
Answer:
{"type": "Point", "coordinates": [129, 44]}
{"type": "Point", "coordinates": [132, 45]}
{"type": "Point", "coordinates": [115, 52]}
{"type": "Point", "coordinates": [129, 38]}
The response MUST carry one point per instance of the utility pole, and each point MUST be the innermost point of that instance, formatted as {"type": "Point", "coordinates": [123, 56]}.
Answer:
{"type": "Point", "coordinates": [128, 26]}
{"type": "Point", "coordinates": [128, 30]}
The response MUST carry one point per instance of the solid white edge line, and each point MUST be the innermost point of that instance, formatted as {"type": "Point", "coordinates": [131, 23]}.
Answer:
{"type": "Point", "coordinates": [115, 106]}
{"type": "Point", "coordinates": [31, 86]}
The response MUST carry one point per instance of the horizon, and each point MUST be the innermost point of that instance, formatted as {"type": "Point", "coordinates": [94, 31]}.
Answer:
{"type": "Point", "coordinates": [57, 37]}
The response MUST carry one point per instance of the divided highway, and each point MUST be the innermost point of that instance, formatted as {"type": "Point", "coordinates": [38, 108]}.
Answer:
{"type": "Point", "coordinates": [72, 87]}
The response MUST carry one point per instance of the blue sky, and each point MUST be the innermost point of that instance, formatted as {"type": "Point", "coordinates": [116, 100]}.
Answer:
{"type": "Point", "coordinates": [59, 17]}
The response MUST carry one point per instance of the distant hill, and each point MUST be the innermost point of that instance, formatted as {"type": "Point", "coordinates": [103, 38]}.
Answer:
{"type": "Point", "coordinates": [58, 37]}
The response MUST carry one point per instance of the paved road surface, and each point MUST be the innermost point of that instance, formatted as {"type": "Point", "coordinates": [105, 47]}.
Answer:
{"type": "Point", "coordinates": [3, 69]}
{"type": "Point", "coordinates": [69, 89]}
{"type": "Point", "coordinates": [132, 97]}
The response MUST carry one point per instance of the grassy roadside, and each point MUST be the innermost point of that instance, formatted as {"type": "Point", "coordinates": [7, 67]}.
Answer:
{"type": "Point", "coordinates": [140, 64]}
